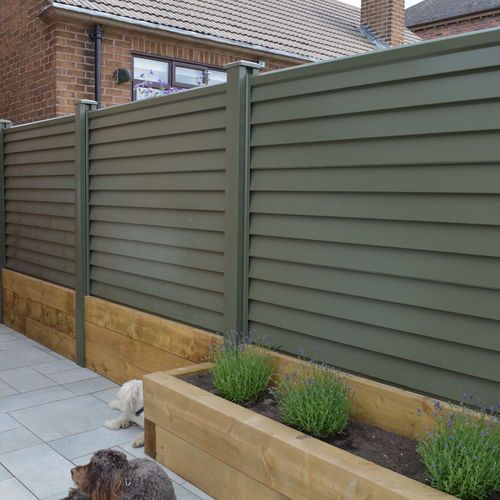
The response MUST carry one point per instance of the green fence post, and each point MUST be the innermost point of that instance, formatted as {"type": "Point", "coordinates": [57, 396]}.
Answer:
{"type": "Point", "coordinates": [82, 221]}
{"type": "Point", "coordinates": [3, 246]}
{"type": "Point", "coordinates": [237, 159]}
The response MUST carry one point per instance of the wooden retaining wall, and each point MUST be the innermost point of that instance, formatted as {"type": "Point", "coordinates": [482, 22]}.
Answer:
{"type": "Point", "coordinates": [121, 343]}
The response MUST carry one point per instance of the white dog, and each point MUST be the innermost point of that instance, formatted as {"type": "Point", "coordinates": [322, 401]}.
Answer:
{"type": "Point", "coordinates": [131, 403]}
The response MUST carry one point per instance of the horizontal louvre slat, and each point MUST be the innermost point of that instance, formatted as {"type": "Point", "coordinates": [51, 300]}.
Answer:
{"type": "Point", "coordinates": [449, 208]}
{"type": "Point", "coordinates": [202, 221]}
{"type": "Point", "coordinates": [453, 238]}
{"type": "Point", "coordinates": [203, 181]}
{"type": "Point", "coordinates": [194, 259]}
{"type": "Point", "coordinates": [462, 117]}
{"type": "Point", "coordinates": [443, 267]}
{"type": "Point", "coordinates": [212, 201]}
{"type": "Point", "coordinates": [46, 247]}
{"type": "Point", "coordinates": [182, 238]}
{"type": "Point", "coordinates": [160, 127]}
{"type": "Point", "coordinates": [181, 312]}
{"type": "Point", "coordinates": [452, 88]}
{"type": "Point", "coordinates": [41, 208]}
{"type": "Point", "coordinates": [200, 141]}
{"type": "Point", "coordinates": [379, 179]}
{"type": "Point", "coordinates": [441, 325]}
{"type": "Point", "coordinates": [472, 301]}
{"type": "Point", "coordinates": [424, 350]}
{"type": "Point", "coordinates": [53, 275]}
{"type": "Point", "coordinates": [453, 149]}
{"type": "Point", "coordinates": [204, 280]}
{"type": "Point", "coordinates": [157, 288]}
{"type": "Point", "coordinates": [189, 161]}
{"type": "Point", "coordinates": [420, 377]}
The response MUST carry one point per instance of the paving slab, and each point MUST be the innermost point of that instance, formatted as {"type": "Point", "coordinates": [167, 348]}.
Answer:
{"type": "Point", "coordinates": [16, 439]}
{"type": "Point", "coordinates": [12, 489]}
{"type": "Point", "coordinates": [57, 366]}
{"type": "Point", "coordinates": [29, 399]}
{"type": "Point", "coordinates": [25, 379]}
{"type": "Point", "coordinates": [40, 468]}
{"type": "Point", "coordinates": [63, 418]}
{"type": "Point", "coordinates": [91, 385]}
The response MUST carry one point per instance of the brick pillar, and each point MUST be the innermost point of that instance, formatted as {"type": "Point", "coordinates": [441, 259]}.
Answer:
{"type": "Point", "coordinates": [385, 19]}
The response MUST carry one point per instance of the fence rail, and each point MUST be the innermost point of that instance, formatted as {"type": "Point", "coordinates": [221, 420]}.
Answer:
{"type": "Point", "coordinates": [346, 210]}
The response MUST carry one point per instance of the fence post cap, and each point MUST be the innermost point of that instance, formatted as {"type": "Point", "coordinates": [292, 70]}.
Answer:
{"type": "Point", "coordinates": [245, 64]}
{"type": "Point", "coordinates": [88, 102]}
{"type": "Point", "coordinates": [5, 123]}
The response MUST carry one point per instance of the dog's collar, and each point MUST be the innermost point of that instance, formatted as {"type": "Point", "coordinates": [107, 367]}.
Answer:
{"type": "Point", "coordinates": [138, 412]}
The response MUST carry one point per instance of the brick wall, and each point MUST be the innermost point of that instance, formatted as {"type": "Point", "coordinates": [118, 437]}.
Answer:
{"type": "Point", "coordinates": [385, 18]}
{"type": "Point", "coordinates": [27, 90]}
{"type": "Point", "coordinates": [48, 63]}
{"type": "Point", "coordinates": [458, 25]}
{"type": "Point", "coordinates": [75, 60]}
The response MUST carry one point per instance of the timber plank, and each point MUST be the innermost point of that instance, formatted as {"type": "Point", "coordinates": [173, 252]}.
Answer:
{"type": "Point", "coordinates": [104, 361]}
{"type": "Point", "coordinates": [40, 291]}
{"type": "Point", "coordinates": [217, 478]}
{"type": "Point", "coordinates": [51, 338]}
{"type": "Point", "coordinates": [124, 352]}
{"type": "Point", "coordinates": [182, 340]}
{"type": "Point", "coordinates": [269, 452]}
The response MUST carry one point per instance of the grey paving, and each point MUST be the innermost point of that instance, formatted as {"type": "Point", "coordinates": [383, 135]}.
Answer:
{"type": "Point", "coordinates": [47, 430]}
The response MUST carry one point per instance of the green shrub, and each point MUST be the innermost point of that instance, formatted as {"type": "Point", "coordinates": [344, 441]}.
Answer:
{"type": "Point", "coordinates": [314, 400]}
{"type": "Point", "coordinates": [241, 373]}
{"type": "Point", "coordinates": [462, 455]}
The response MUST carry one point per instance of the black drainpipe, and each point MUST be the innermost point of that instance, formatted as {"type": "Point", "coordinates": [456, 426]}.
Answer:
{"type": "Point", "coordinates": [97, 35]}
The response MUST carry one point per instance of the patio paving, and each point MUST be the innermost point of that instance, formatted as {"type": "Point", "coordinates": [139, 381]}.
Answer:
{"type": "Point", "coordinates": [51, 414]}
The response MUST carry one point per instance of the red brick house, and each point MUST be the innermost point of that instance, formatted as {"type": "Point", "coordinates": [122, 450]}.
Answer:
{"type": "Point", "coordinates": [55, 52]}
{"type": "Point", "coordinates": [435, 18]}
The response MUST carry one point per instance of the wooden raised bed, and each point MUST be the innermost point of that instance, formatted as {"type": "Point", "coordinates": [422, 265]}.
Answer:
{"type": "Point", "coordinates": [234, 453]}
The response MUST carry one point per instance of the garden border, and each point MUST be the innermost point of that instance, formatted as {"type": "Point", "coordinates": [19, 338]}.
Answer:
{"type": "Point", "coordinates": [232, 452]}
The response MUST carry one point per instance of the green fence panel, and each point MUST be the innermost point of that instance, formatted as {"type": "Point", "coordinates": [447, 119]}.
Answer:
{"type": "Point", "coordinates": [157, 205]}
{"type": "Point", "coordinates": [374, 206]}
{"type": "Point", "coordinates": [39, 170]}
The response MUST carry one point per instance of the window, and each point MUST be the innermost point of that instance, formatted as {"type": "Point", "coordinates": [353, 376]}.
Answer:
{"type": "Point", "coordinates": [157, 77]}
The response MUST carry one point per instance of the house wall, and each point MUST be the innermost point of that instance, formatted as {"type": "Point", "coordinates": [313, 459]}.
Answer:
{"type": "Point", "coordinates": [458, 25]}
{"type": "Point", "coordinates": [48, 63]}
{"type": "Point", "coordinates": [27, 62]}
{"type": "Point", "coordinates": [75, 60]}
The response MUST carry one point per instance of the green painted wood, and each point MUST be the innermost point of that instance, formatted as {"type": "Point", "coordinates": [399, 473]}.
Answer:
{"type": "Point", "coordinates": [374, 202]}
{"type": "Point", "coordinates": [161, 306]}
{"type": "Point", "coordinates": [157, 205]}
{"type": "Point", "coordinates": [40, 199]}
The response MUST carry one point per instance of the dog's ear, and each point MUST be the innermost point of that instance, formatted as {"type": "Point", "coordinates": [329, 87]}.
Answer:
{"type": "Point", "coordinates": [107, 470]}
{"type": "Point", "coordinates": [136, 396]}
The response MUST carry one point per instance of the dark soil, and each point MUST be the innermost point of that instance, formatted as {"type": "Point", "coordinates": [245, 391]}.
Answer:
{"type": "Point", "coordinates": [384, 448]}
{"type": "Point", "coordinates": [387, 449]}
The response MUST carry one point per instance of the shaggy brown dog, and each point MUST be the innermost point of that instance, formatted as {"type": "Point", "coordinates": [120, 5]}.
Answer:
{"type": "Point", "coordinates": [110, 476]}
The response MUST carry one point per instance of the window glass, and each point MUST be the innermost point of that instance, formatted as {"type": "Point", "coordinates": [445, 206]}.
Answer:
{"type": "Point", "coordinates": [151, 70]}
{"type": "Point", "coordinates": [215, 76]}
{"type": "Point", "coordinates": [189, 76]}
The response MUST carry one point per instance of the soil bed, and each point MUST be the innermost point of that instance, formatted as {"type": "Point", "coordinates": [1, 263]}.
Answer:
{"type": "Point", "coordinates": [384, 448]}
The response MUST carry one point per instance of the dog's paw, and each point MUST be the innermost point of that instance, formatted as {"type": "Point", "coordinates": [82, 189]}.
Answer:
{"type": "Point", "coordinates": [125, 424]}
{"type": "Point", "coordinates": [138, 441]}
{"type": "Point", "coordinates": [114, 404]}
{"type": "Point", "coordinates": [112, 424]}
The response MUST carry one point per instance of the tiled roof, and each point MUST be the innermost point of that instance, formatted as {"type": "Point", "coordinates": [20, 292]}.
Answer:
{"type": "Point", "coordinates": [435, 10]}
{"type": "Point", "coordinates": [305, 29]}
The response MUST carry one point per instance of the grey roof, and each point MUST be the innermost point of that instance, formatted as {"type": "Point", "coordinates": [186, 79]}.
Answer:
{"type": "Point", "coordinates": [304, 29]}
{"type": "Point", "coordinates": [436, 10]}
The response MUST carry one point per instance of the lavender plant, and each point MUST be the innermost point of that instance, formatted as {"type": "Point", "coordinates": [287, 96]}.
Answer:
{"type": "Point", "coordinates": [241, 374]}
{"type": "Point", "coordinates": [314, 400]}
{"type": "Point", "coordinates": [462, 454]}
